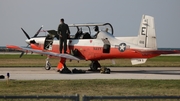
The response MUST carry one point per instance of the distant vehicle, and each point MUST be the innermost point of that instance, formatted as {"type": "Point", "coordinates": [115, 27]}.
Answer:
{"type": "Point", "coordinates": [102, 45]}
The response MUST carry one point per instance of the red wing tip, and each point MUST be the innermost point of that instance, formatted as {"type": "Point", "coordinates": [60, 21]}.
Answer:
{"type": "Point", "coordinates": [12, 47]}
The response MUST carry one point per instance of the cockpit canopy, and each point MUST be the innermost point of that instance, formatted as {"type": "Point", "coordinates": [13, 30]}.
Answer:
{"type": "Point", "coordinates": [89, 30]}
{"type": "Point", "coordinates": [85, 31]}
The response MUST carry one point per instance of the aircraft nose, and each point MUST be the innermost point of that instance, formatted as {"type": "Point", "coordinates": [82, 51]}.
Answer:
{"type": "Point", "coordinates": [27, 41]}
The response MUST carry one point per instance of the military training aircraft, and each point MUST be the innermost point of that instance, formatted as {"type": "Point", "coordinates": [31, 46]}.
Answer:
{"type": "Point", "coordinates": [96, 42]}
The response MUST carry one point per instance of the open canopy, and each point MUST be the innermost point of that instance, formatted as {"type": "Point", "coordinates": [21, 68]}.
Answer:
{"type": "Point", "coordinates": [90, 27]}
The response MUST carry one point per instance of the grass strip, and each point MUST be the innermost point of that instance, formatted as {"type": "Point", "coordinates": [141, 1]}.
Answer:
{"type": "Point", "coordinates": [39, 61]}
{"type": "Point", "coordinates": [91, 87]}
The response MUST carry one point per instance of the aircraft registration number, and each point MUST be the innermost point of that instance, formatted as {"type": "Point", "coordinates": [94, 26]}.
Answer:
{"type": "Point", "coordinates": [97, 48]}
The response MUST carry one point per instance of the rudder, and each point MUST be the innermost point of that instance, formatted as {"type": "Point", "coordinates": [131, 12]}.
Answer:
{"type": "Point", "coordinates": [147, 35]}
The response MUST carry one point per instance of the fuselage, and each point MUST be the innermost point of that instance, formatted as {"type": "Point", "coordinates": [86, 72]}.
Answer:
{"type": "Point", "coordinates": [105, 46]}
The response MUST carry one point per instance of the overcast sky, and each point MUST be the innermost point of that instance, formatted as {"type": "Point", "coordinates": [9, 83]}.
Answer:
{"type": "Point", "coordinates": [124, 15]}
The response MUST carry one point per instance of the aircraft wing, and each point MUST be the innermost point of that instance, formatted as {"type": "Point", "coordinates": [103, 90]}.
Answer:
{"type": "Point", "coordinates": [67, 56]}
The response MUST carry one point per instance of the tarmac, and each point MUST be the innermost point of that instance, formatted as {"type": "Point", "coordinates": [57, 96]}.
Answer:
{"type": "Point", "coordinates": [39, 73]}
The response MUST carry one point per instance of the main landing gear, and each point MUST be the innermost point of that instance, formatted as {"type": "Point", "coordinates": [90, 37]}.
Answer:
{"type": "Point", "coordinates": [95, 65]}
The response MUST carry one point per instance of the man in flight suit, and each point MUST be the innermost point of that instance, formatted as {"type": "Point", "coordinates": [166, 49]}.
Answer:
{"type": "Point", "coordinates": [63, 32]}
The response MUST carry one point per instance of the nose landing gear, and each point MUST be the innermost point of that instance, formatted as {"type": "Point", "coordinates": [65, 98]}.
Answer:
{"type": "Point", "coordinates": [48, 64]}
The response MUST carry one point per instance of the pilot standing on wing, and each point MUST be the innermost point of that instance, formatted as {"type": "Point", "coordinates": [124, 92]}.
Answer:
{"type": "Point", "coordinates": [63, 32]}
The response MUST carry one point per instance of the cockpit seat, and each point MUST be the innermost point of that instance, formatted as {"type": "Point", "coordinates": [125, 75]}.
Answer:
{"type": "Point", "coordinates": [86, 36]}
{"type": "Point", "coordinates": [78, 35]}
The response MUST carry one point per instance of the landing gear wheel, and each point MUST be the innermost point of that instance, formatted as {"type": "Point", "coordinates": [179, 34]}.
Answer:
{"type": "Point", "coordinates": [94, 65]}
{"type": "Point", "coordinates": [48, 65]}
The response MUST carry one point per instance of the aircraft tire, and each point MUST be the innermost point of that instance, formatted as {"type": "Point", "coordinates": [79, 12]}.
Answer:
{"type": "Point", "coordinates": [48, 66]}
{"type": "Point", "coordinates": [93, 66]}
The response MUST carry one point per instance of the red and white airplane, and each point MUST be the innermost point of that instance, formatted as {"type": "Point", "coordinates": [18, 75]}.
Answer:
{"type": "Point", "coordinates": [103, 45]}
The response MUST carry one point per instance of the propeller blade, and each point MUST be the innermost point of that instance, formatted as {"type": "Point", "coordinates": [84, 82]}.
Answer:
{"type": "Point", "coordinates": [38, 31]}
{"type": "Point", "coordinates": [22, 53]}
{"type": "Point", "coordinates": [25, 33]}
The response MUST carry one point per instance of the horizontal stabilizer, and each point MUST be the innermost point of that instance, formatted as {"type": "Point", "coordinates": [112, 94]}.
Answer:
{"type": "Point", "coordinates": [136, 61]}
{"type": "Point", "coordinates": [158, 52]}
{"type": "Point", "coordinates": [67, 56]}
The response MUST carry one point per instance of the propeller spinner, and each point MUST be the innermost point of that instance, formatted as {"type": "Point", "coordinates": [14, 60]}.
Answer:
{"type": "Point", "coordinates": [28, 40]}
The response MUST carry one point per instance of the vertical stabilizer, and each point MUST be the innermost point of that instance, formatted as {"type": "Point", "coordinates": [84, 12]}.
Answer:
{"type": "Point", "coordinates": [147, 35]}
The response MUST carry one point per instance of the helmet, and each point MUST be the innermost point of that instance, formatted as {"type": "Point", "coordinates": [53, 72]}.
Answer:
{"type": "Point", "coordinates": [96, 28]}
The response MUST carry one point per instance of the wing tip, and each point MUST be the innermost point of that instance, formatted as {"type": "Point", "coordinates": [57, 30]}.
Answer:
{"type": "Point", "coordinates": [12, 47]}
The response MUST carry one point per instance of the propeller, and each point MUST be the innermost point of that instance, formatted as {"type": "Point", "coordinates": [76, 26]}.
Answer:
{"type": "Point", "coordinates": [30, 41]}
{"type": "Point", "coordinates": [25, 33]}
{"type": "Point", "coordinates": [38, 31]}
{"type": "Point", "coordinates": [34, 35]}
{"type": "Point", "coordinates": [22, 53]}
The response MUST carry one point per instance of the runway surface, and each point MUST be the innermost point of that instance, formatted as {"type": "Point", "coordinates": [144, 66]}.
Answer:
{"type": "Point", "coordinates": [116, 73]}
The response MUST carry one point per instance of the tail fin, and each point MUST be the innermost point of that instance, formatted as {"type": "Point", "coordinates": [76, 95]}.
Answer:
{"type": "Point", "coordinates": [147, 35]}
